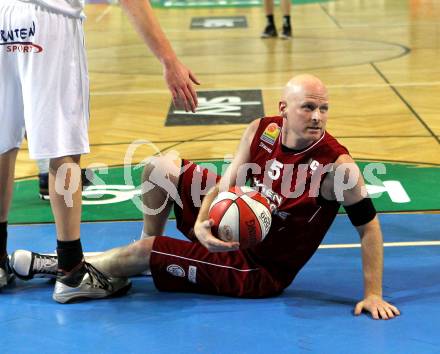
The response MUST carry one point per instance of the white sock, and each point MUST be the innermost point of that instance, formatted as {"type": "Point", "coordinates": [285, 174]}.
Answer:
{"type": "Point", "coordinates": [144, 235]}
{"type": "Point", "coordinates": [43, 165]}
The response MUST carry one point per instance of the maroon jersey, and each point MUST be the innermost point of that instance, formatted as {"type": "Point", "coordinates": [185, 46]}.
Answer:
{"type": "Point", "coordinates": [290, 180]}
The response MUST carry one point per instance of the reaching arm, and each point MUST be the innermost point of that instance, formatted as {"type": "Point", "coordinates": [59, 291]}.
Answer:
{"type": "Point", "coordinates": [202, 227]}
{"type": "Point", "coordinates": [177, 76]}
{"type": "Point", "coordinates": [371, 239]}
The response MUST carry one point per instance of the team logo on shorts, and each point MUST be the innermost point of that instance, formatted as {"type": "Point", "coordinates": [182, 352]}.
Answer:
{"type": "Point", "coordinates": [19, 40]}
{"type": "Point", "coordinates": [176, 270]}
{"type": "Point", "coordinates": [192, 274]}
{"type": "Point", "coordinates": [271, 133]}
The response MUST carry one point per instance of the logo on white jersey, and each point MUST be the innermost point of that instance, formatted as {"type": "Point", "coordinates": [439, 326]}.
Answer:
{"type": "Point", "coordinates": [19, 40]}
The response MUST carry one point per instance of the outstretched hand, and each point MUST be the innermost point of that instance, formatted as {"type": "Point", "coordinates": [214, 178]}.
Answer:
{"type": "Point", "coordinates": [180, 82]}
{"type": "Point", "coordinates": [207, 239]}
{"type": "Point", "coordinates": [378, 307]}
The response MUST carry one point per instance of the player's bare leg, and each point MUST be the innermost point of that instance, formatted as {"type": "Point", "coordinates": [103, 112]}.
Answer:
{"type": "Point", "coordinates": [7, 166]}
{"type": "Point", "coordinates": [76, 279]}
{"type": "Point", "coordinates": [268, 7]}
{"type": "Point", "coordinates": [66, 196]}
{"type": "Point", "coordinates": [160, 180]}
{"type": "Point", "coordinates": [162, 176]}
{"type": "Point", "coordinates": [285, 7]}
{"type": "Point", "coordinates": [126, 261]}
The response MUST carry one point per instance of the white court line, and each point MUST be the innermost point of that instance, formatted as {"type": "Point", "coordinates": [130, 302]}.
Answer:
{"type": "Point", "coordinates": [386, 244]}
{"type": "Point", "coordinates": [146, 92]}
{"type": "Point", "coordinates": [104, 13]}
{"type": "Point", "coordinates": [334, 246]}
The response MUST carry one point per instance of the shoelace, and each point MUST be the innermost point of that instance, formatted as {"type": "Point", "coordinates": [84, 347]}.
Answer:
{"type": "Point", "coordinates": [45, 264]}
{"type": "Point", "coordinates": [95, 274]}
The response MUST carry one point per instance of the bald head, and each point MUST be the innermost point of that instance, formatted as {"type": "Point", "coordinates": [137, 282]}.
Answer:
{"type": "Point", "coordinates": [304, 85]}
{"type": "Point", "coordinates": [304, 106]}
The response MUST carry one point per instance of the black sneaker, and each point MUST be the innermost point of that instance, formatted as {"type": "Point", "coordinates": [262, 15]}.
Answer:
{"type": "Point", "coordinates": [287, 32]}
{"type": "Point", "coordinates": [87, 177]}
{"type": "Point", "coordinates": [27, 265]}
{"type": "Point", "coordinates": [87, 282]}
{"type": "Point", "coordinates": [269, 32]}
{"type": "Point", "coordinates": [6, 274]}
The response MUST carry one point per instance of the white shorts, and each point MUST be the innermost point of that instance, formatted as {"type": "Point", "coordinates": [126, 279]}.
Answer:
{"type": "Point", "coordinates": [44, 86]}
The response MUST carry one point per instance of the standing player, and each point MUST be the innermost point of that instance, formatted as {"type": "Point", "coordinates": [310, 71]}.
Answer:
{"type": "Point", "coordinates": [271, 30]}
{"type": "Point", "coordinates": [45, 91]}
{"type": "Point", "coordinates": [298, 166]}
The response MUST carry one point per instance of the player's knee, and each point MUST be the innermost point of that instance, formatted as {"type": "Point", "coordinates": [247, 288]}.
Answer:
{"type": "Point", "coordinates": [165, 166]}
{"type": "Point", "coordinates": [143, 247]}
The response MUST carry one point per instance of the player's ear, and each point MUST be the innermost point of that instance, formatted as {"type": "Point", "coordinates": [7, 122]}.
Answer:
{"type": "Point", "coordinates": [282, 105]}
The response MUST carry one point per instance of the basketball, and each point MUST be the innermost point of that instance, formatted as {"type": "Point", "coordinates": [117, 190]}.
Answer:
{"type": "Point", "coordinates": [240, 215]}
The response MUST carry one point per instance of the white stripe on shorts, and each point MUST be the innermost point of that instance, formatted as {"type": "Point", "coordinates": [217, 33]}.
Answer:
{"type": "Point", "coordinates": [208, 263]}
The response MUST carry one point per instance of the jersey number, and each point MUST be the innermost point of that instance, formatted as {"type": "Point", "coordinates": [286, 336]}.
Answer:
{"type": "Point", "coordinates": [275, 170]}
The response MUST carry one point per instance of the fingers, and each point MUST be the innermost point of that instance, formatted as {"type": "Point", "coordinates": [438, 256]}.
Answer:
{"type": "Point", "coordinates": [383, 313]}
{"type": "Point", "coordinates": [208, 223]}
{"type": "Point", "coordinates": [212, 243]}
{"type": "Point", "coordinates": [389, 312]}
{"type": "Point", "coordinates": [378, 309]}
{"type": "Point", "coordinates": [374, 313]}
{"type": "Point", "coordinates": [193, 96]}
{"type": "Point", "coordinates": [215, 245]}
{"type": "Point", "coordinates": [193, 78]}
{"type": "Point", "coordinates": [186, 97]}
{"type": "Point", "coordinates": [394, 309]}
{"type": "Point", "coordinates": [358, 308]}
{"type": "Point", "coordinates": [183, 99]}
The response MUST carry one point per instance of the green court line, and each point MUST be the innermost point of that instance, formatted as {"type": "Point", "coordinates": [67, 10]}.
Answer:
{"type": "Point", "coordinates": [419, 183]}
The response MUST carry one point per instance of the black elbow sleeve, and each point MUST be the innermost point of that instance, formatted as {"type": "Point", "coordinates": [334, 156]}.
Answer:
{"type": "Point", "coordinates": [361, 212]}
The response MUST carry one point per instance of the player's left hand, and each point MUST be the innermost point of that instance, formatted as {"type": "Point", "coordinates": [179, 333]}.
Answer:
{"type": "Point", "coordinates": [378, 307]}
{"type": "Point", "coordinates": [180, 82]}
{"type": "Point", "coordinates": [203, 233]}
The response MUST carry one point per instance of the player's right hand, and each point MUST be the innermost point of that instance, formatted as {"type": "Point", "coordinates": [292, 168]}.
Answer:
{"type": "Point", "coordinates": [180, 82]}
{"type": "Point", "coordinates": [203, 233]}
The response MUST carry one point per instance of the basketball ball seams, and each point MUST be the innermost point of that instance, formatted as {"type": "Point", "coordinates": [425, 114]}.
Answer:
{"type": "Point", "coordinates": [228, 229]}
{"type": "Point", "coordinates": [262, 202]}
{"type": "Point", "coordinates": [218, 211]}
{"type": "Point", "coordinates": [261, 206]}
{"type": "Point", "coordinates": [252, 226]}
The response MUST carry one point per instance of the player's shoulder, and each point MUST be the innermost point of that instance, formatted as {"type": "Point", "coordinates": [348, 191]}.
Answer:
{"type": "Point", "coordinates": [330, 144]}
{"type": "Point", "coordinates": [345, 165]}
{"type": "Point", "coordinates": [264, 123]}
{"type": "Point", "coordinates": [343, 159]}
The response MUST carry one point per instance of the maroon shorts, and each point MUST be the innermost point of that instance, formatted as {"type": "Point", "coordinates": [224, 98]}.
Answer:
{"type": "Point", "coordinates": [185, 266]}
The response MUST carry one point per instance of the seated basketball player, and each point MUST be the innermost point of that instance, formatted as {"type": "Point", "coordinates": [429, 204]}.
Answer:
{"type": "Point", "coordinates": [206, 264]}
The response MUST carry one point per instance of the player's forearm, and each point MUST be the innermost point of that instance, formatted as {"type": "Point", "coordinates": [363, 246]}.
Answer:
{"type": "Point", "coordinates": [145, 22]}
{"type": "Point", "coordinates": [206, 203]}
{"type": "Point", "coordinates": [372, 257]}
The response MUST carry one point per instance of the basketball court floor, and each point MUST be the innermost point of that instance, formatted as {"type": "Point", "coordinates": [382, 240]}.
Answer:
{"type": "Point", "coordinates": [379, 59]}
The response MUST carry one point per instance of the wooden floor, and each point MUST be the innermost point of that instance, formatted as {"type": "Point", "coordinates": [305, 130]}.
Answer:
{"type": "Point", "coordinates": [379, 59]}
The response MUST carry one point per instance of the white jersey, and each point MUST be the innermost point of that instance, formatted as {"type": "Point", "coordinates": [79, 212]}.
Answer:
{"type": "Point", "coordinates": [68, 7]}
